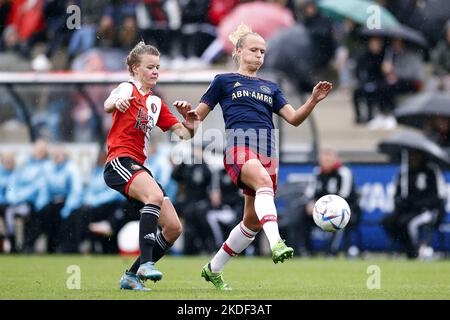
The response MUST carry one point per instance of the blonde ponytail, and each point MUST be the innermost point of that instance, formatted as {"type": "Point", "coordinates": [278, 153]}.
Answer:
{"type": "Point", "coordinates": [241, 31]}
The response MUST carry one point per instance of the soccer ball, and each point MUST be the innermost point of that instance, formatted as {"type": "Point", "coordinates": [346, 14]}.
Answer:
{"type": "Point", "coordinates": [128, 239]}
{"type": "Point", "coordinates": [331, 213]}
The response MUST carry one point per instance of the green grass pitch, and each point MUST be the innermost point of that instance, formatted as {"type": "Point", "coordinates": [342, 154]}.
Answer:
{"type": "Point", "coordinates": [46, 277]}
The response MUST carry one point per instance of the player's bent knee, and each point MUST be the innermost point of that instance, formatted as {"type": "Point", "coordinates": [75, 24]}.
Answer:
{"type": "Point", "coordinates": [264, 182]}
{"type": "Point", "coordinates": [155, 198]}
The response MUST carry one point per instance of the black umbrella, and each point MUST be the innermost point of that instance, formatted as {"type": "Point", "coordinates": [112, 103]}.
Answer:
{"type": "Point", "coordinates": [291, 53]}
{"type": "Point", "coordinates": [415, 110]}
{"type": "Point", "coordinates": [428, 16]}
{"type": "Point", "coordinates": [413, 140]}
{"type": "Point", "coordinates": [435, 14]}
{"type": "Point", "coordinates": [401, 31]}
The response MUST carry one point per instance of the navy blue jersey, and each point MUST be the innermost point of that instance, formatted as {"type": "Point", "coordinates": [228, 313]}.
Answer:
{"type": "Point", "coordinates": [248, 104]}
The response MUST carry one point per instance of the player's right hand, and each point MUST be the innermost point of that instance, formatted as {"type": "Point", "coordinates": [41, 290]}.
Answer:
{"type": "Point", "coordinates": [123, 104]}
{"type": "Point", "coordinates": [183, 107]}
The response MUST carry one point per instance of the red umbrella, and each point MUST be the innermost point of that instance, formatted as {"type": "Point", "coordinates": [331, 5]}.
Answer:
{"type": "Point", "coordinates": [264, 18]}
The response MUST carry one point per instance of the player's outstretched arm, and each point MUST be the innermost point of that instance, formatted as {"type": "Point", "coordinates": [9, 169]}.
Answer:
{"type": "Point", "coordinates": [296, 117]}
{"type": "Point", "coordinates": [185, 108]}
{"type": "Point", "coordinates": [192, 118]}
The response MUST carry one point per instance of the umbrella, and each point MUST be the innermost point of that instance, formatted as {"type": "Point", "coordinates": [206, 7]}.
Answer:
{"type": "Point", "coordinates": [413, 140]}
{"type": "Point", "coordinates": [296, 60]}
{"type": "Point", "coordinates": [360, 11]}
{"type": "Point", "coordinates": [435, 14]}
{"type": "Point", "coordinates": [262, 17]}
{"type": "Point", "coordinates": [401, 31]}
{"type": "Point", "coordinates": [427, 16]}
{"type": "Point", "coordinates": [415, 110]}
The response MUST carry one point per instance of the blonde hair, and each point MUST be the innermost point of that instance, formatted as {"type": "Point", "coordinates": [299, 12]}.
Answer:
{"type": "Point", "coordinates": [134, 57]}
{"type": "Point", "coordinates": [237, 38]}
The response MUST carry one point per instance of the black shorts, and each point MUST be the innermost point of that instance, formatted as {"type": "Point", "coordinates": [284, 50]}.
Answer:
{"type": "Point", "coordinates": [120, 172]}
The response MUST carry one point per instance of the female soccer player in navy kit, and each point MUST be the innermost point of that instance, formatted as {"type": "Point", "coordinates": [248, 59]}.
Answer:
{"type": "Point", "coordinates": [247, 104]}
{"type": "Point", "coordinates": [135, 112]}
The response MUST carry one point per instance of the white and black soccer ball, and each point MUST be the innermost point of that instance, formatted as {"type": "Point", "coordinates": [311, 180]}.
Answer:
{"type": "Point", "coordinates": [331, 213]}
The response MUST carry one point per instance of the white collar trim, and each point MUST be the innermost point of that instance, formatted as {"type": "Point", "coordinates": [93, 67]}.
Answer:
{"type": "Point", "coordinates": [137, 84]}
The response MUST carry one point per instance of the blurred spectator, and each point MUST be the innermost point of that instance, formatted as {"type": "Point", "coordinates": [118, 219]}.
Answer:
{"type": "Point", "coordinates": [26, 192]}
{"type": "Point", "coordinates": [101, 215]}
{"type": "Point", "coordinates": [52, 121]}
{"type": "Point", "coordinates": [321, 30]}
{"type": "Point", "coordinates": [5, 8]}
{"type": "Point", "coordinates": [128, 33]}
{"type": "Point", "coordinates": [371, 85]}
{"type": "Point", "coordinates": [226, 206]}
{"type": "Point", "coordinates": [10, 56]}
{"type": "Point", "coordinates": [158, 161]}
{"type": "Point", "coordinates": [331, 177]}
{"type": "Point", "coordinates": [120, 9]}
{"type": "Point", "coordinates": [64, 187]}
{"type": "Point", "coordinates": [197, 33]}
{"type": "Point", "coordinates": [55, 33]}
{"type": "Point", "coordinates": [219, 9]}
{"type": "Point", "coordinates": [159, 22]}
{"type": "Point", "coordinates": [97, 60]}
{"type": "Point", "coordinates": [418, 203]}
{"type": "Point", "coordinates": [106, 33]}
{"type": "Point", "coordinates": [441, 60]}
{"type": "Point", "coordinates": [348, 50]}
{"type": "Point", "coordinates": [87, 109]}
{"type": "Point", "coordinates": [6, 170]}
{"type": "Point", "coordinates": [437, 128]}
{"type": "Point", "coordinates": [404, 71]}
{"type": "Point", "coordinates": [83, 39]}
{"type": "Point", "coordinates": [27, 16]}
{"type": "Point", "coordinates": [194, 185]}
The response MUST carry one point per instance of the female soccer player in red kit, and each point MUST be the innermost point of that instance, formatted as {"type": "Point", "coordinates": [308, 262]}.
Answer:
{"type": "Point", "coordinates": [248, 104]}
{"type": "Point", "coordinates": [135, 112]}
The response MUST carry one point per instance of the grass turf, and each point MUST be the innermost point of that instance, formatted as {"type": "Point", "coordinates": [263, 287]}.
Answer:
{"type": "Point", "coordinates": [46, 277]}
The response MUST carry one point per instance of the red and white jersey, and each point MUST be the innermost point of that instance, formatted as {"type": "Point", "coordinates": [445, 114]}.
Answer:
{"type": "Point", "coordinates": [129, 135]}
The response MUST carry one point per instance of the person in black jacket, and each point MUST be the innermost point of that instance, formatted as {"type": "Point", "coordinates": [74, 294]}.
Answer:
{"type": "Point", "coordinates": [320, 29]}
{"type": "Point", "coordinates": [371, 83]}
{"type": "Point", "coordinates": [331, 177]}
{"type": "Point", "coordinates": [193, 203]}
{"type": "Point", "coordinates": [418, 202]}
{"type": "Point", "coordinates": [227, 205]}
{"type": "Point", "coordinates": [196, 31]}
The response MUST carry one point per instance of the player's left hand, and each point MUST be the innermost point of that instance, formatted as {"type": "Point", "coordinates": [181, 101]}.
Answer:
{"type": "Point", "coordinates": [321, 90]}
{"type": "Point", "coordinates": [183, 107]}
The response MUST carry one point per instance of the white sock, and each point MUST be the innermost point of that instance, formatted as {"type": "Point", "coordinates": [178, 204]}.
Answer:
{"type": "Point", "coordinates": [238, 240]}
{"type": "Point", "coordinates": [267, 214]}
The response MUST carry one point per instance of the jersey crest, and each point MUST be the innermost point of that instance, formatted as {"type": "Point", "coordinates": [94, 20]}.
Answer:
{"type": "Point", "coordinates": [148, 113]}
